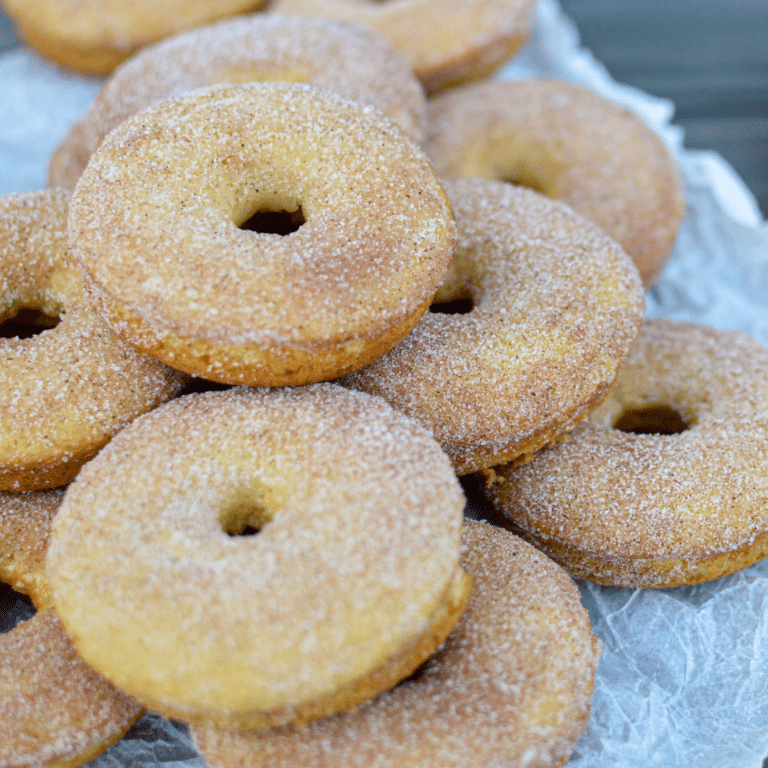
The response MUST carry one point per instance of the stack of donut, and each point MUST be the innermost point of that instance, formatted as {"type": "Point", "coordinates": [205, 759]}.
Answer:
{"type": "Point", "coordinates": [383, 293]}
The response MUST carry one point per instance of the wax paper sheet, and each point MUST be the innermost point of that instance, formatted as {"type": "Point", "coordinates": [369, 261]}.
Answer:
{"type": "Point", "coordinates": [683, 680]}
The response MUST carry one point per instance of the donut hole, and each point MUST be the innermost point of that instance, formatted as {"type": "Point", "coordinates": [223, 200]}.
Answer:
{"type": "Point", "coordinates": [651, 420]}
{"type": "Point", "coordinates": [527, 181]}
{"type": "Point", "coordinates": [269, 222]}
{"type": "Point", "coordinates": [453, 303]}
{"type": "Point", "coordinates": [14, 608]}
{"type": "Point", "coordinates": [453, 307]}
{"type": "Point", "coordinates": [537, 176]}
{"type": "Point", "coordinates": [246, 515]}
{"type": "Point", "coordinates": [26, 322]}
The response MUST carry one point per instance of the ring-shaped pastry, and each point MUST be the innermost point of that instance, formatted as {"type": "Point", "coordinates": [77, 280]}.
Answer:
{"type": "Point", "coordinates": [351, 582]}
{"type": "Point", "coordinates": [570, 144]}
{"type": "Point", "coordinates": [66, 390]}
{"type": "Point", "coordinates": [554, 307]}
{"type": "Point", "coordinates": [156, 218]}
{"type": "Point", "coordinates": [350, 61]}
{"type": "Point", "coordinates": [25, 524]}
{"type": "Point", "coordinates": [511, 686]}
{"type": "Point", "coordinates": [666, 483]}
{"type": "Point", "coordinates": [446, 41]}
{"type": "Point", "coordinates": [94, 36]}
{"type": "Point", "coordinates": [55, 711]}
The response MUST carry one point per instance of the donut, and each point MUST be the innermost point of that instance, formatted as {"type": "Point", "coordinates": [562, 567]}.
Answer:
{"type": "Point", "coordinates": [446, 41]}
{"type": "Point", "coordinates": [511, 686]}
{"type": "Point", "coordinates": [344, 590]}
{"type": "Point", "coordinates": [555, 305]}
{"type": "Point", "coordinates": [25, 524]}
{"type": "Point", "coordinates": [159, 222]}
{"type": "Point", "coordinates": [572, 145]}
{"type": "Point", "coordinates": [665, 484]}
{"type": "Point", "coordinates": [352, 62]}
{"type": "Point", "coordinates": [65, 390]}
{"type": "Point", "coordinates": [56, 712]}
{"type": "Point", "coordinates": [94, 36]}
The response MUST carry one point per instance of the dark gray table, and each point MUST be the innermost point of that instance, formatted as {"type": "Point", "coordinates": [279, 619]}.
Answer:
{"type": "Point", "coordinates": [7, 36]}
{"type": "Point", "coordinates": [710, 57]}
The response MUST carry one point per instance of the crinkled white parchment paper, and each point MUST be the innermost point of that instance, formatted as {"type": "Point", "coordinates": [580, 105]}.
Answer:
{"type": "Point", "coordinates": [684, 676]}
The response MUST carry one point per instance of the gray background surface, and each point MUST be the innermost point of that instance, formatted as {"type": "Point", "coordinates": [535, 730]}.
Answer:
{"type": "Point", "coordinates": [710, 57]}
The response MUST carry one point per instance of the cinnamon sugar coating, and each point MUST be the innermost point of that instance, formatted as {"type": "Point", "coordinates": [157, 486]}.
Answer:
{"type": "Point", "coordinates": [94, 36]}
{"type": "Point", "coordinates": [155, 223]}
{"type": "Point", "coordinates": [572, 145]}
{"type": "Point", "coordinates": [55, 711]}
{"type": "Point", "coordinates": [657, 509]}
{"type": "Point", "coordinates": [352, 62]}
{"type": "Point", "coordinates": [446, 41]}
{"type": "Point", "coordinates": [511, 686]}
{"type": "Point", "coordinates": [25, 524]}
{"type": "Point", "coordinates": [555, 307]}
{"type": "Point", "coordinates": [352, 580]}
{"type": "Point", "coordinates": [65, 391]}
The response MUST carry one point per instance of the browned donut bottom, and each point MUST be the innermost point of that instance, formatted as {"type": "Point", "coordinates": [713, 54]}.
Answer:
{"type": "Point", "coordinates": [345, 589]}
{"type": "Point", "coordinates": [553, 306]}
{"type": "Point", "coordinates": [511, 686]}
{"type": "Point", "coordinates": [55, 711]}
{"type": "Point", "coordinates": [68, 385]}
{"type": "Point", "coordinates": [666, 483]}
{"type": "Point", "coordinates": [172, 264]}
{"type": "Point", "coordinates": [446, 41]}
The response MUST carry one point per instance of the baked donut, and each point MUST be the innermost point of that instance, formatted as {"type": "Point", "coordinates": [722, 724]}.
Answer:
{"type": "Point", "coordinates": [352, 581]}
{"type": "Point", "coordinates": [158, 222]}
{"type": "Point", "coordinates": [446, 41]}
{"type": "Point", "coordinates": [352, 62]}
{"type": "Point", "coordinates": [555, 305]}
{"type": "Point", "coordinates": [665, 484]}
{"type": "Point", "coordinates": [570, 144]}
{"type": "Point", "coordinates": [94, 36]}
{"type": "Point", "coordinates": [511, 686]}
{"type": "Point", "coordinates": [66, 390]}
{"type": "Point", "coordinates": [25, 524]}
{"type": "Point", "coordinates": [55, 711]}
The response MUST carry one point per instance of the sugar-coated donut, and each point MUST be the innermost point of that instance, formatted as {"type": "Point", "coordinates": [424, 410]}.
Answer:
{"type": "Point", "coordinates": [446, 41]}
{"type": "Point", "coordinates": [352, 581]}
{"type": "Point", "coordinates": [555, 307]}
{"type": "Point", "coordinates": [570, 144]}
{"type": "Point", "coordinates": [667, 482]}
{"type": "Point", "coordinates": [25, 524]}
{"type": "Point", "coordinates": [55, 711]}
{"type": "Point", "coordinates": [94, 36]}
{"type": "Point", "coordinates": [352, 62]}
{"type": "Point", "coordinates": [155, 220]}
{"type": "Point", "coordinates": [511, 686]}
{"type": "Point", "coordinates": [65, 391]}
